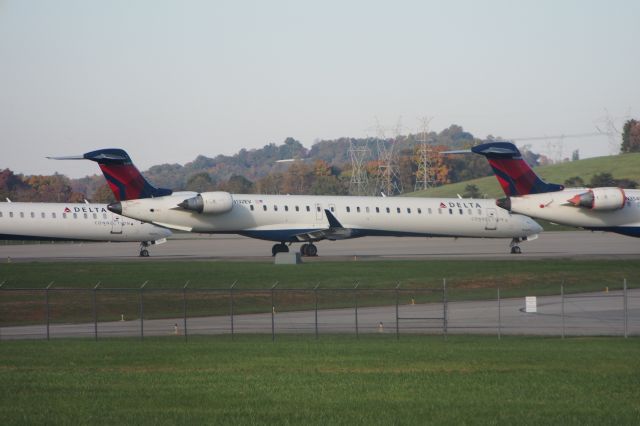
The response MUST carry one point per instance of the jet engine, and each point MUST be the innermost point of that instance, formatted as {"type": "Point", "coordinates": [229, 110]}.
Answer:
{"type": "Point", "coordinates": [209, 203]}
{"type": "Point", "coordinates": [600, 199]}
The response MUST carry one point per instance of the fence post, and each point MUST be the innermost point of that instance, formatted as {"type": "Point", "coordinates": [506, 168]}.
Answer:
{"type": "Point", "coordinates": [626, 311]}
{"type": "Point", "coordinates": [142, 310]}
{"type": "Point", "coordinates": [184, 308]}
{"type": "Point", "coordinates": [445, 325]}
{"type": "Point", "coordinates": [499, 316]}
{"type": "Point", "coordinates": [355, 289]}
{"type": "Point", "coordinates": [562, 304]}
{"type": "Point", "coordinates": [231, 306]}
{"type": "Point", "coordinates": [315, 294]}
{"type": "Point", "coordinates": [46, 300]}
{"type": "Point", "coordinates": [95, 312]}
{"type": "Point", "coordinates": [398, 311]}
{"type": "Point", "coordinates": [273, 313]}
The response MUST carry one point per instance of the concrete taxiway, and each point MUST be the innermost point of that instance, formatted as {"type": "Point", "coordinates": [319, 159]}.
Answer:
{"type": "Point", "coordinates": [573, 244]}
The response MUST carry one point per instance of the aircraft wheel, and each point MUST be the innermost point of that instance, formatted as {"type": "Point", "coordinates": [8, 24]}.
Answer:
{"type": "Point", "coordinates": [279, 248]}
{"type": "Point", "coordinates": [516, 250]}
{"type": "Point", "coordinates": [312, 250]}
{"type": "Point", "coordinates": [303, 249]}
{"type": "Point", "coordinates": [144, 253]}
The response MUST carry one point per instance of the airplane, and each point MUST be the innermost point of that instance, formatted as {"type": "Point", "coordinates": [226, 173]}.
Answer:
{"type": "Point", "coordinates": [288, 219]}
{"type": "Point", "coordinates": [75, 222]}
{"type": "Point", "coordinates": [599, 209]}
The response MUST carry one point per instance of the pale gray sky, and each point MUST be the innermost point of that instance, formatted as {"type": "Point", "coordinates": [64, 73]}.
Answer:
{"type": "Point", "coordinates": [168, 80]}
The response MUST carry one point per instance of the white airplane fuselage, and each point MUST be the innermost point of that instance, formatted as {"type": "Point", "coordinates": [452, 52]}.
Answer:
{"type": "Point", "coordinates": [292, 218]}
{"type": "Point", "coordinates": [555, 207]}
{"type": "Point", "coordinates": [69, 221]}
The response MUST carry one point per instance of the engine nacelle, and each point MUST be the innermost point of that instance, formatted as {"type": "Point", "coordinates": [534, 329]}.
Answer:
{"type": "Point", "coordinates": [601, 199]}
{"type": "Point", "coordinates": [209, 203]}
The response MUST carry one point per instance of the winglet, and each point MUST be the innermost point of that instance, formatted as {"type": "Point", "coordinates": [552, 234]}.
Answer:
{"type": "Point", "coordinates": [124, 178]}
{"type": "Point", "coordinates": [333, 222]}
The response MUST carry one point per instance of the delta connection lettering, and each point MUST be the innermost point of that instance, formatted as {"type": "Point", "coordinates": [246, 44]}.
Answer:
{"type": "Point", "coordinates": [463, 205]}
{"type": "Point", "coordinates": [86, 210]}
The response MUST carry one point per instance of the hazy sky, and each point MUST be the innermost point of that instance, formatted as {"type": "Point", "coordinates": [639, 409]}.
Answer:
{"type": "Point", "coordinates": [167, 80]}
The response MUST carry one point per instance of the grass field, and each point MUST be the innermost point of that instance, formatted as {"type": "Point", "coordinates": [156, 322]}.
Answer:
{"type": "Point", "coordinates": [335, 380]}
{"type": "Point", "coordinates": [466, 280]}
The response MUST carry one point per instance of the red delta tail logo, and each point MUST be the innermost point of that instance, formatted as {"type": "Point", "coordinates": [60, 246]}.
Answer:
{"type": "Point", "coordinates": [67, 210]}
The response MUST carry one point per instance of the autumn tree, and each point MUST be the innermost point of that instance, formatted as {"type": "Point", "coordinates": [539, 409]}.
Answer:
{"type": "Point", "coordinates": [238, 184]}
{"type": "Point", "coordinates": [200, 182]}
{"type": "Point", "coordinates": [630, 137]}
{"type": "Point", "coordinates": [103, 195]}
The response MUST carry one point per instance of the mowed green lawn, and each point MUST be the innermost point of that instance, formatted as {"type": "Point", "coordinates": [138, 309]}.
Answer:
{"type": "Point", "coordinates": [335, 380]}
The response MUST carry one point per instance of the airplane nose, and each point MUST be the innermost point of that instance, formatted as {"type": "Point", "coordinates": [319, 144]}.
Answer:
{"type": "Point", "coordinates": [115, 208]}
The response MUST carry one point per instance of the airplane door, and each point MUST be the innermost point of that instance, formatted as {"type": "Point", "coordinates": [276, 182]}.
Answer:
{"type": "Point", "coordinates": [492, 220]}
{"type": "Point", "coordinates": [116, 225]}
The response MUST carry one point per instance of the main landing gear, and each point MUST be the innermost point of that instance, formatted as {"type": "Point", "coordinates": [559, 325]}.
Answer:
{"type": "Point", "coordinates": [143, 249]}
{"type": "Point", "coordinates": [515, 248]}
{"type": "Point", "coordinates": [308, 249]}
{"type": "Point", "coordinates": [279, 248]}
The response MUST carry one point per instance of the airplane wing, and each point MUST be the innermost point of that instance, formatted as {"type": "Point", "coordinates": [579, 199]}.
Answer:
{"type": "Point", "coordinates": [335, 231]}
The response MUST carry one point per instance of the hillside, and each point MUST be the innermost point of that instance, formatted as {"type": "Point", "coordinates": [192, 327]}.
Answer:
{"type": "Point", "coordinates": [625, 166]}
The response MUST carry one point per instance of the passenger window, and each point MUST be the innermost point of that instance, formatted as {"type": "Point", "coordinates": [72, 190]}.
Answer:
{"type": "Point", "coordinates": [53, 215]}
{"type": "Point", "coordinates": [333, 209]}
{"type": "Point", "coordinates": [286, 208]}
{"type": "Point", "coordinates": [75, 215]}
{"type": "Point", "coordinates": [348, 209]}
{"type": "Point", "coordinates": [42, 215]}
{"type": "Point", "coordinates": [22, 215]}
{"type": "Point", "coordinates": [479, 212]}
{"type": "Point", "coordinates": [388, 210]}
{"type": "Point", "coordinates": [358, 209]}
{"type": "Point", "coordinates": [419, 210]}
{"type": "Point", "coordinates": [450, 211]}
{"type": "Point", "coordinates": [95, 215]}
{"type": "Point", "coordinates": [264, 207]}
{"type": "Point", "coordinates": [377, 209]}
{"type": "Point", "coordinates": [367, 209]}
{"type": "Point", "coordinates": [275, 208]}
{"type": "Point", "coordinates": [33, 215]}
{"type": "Point", "coordinates": [86, 216]}
{"type": "Point", "coordinates": [318, 208]}
{"type": "Point", "coordinates": [429, 210]}
{"type": "Point", "coordinates": [251, 207]}
{"type": "Point", "coordinates": [398, 209]}
{"type": "Point", "coordinates": [308, 209]}
{"type": "Point", "coordinates": [104, 215]}
{"type": "Point", "coordinates": [461, 211]}
{"type": "Point", "coordinates": [10, 214]}
{"type": "Point", "coordinates": [0, 214]}
{"type": "Point", "coordinates": [408, 210]}
{"type": "Point", "coordinates": [297, 208]}
{"type": "Point", "coordinates": [64, 215]}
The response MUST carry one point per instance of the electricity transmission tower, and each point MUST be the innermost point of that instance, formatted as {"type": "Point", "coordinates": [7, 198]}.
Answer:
{"type": "Point", "coordinates": [359, 153]}
{"type": "Point", "coordinates": [424, 174]}
{"type": "Point", "coordinates": [388, 178]}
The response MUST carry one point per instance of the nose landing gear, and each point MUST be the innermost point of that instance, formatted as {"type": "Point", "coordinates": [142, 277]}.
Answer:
{"type": "Point", "coordinates": [143, 249]}
{"type": "Point", "coordinates": [515, 248]}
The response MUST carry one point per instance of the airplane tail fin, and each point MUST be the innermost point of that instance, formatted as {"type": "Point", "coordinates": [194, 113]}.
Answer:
{"type": "Point", "coordinates": [513, 173]}
{"type": "Point", "coordinates": [123, 177]}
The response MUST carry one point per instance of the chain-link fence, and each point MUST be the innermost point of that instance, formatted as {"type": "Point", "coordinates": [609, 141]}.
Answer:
{"type": "Point", "coordinates": [96, 313]}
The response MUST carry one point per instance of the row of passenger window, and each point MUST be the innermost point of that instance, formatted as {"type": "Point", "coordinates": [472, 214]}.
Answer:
{"type": "Point", "coordinates": [367, 209]}
{"type": "Point", "coordinates": [43, 215]}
